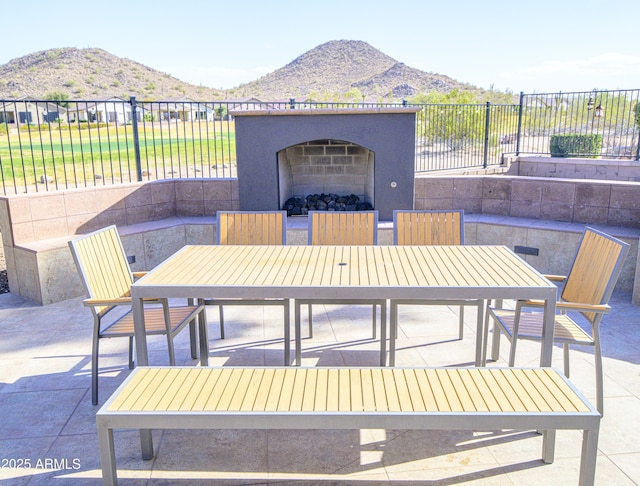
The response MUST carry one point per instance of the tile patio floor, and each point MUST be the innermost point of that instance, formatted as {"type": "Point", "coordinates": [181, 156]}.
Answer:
{"type": "Point", "coordinates": [46, 416]}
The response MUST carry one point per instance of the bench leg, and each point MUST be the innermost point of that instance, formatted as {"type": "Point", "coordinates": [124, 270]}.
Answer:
{"type": "Point", "coordinates": [588, 457]}
{"type": "Point", "coordinates": [107, 456]}
{"type": "Point", "coordinates": [548, 445]}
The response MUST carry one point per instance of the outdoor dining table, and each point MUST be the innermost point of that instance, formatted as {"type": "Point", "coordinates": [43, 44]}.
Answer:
{"type": "Point", "coordinates": [350, 272]}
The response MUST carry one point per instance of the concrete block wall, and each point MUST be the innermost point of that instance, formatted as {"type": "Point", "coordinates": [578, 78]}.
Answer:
{"type": "Point", "coordinates": [155, 219]}
{"type": "Point", "coordinates": [610, 203]}
{"type": "Point", "coordinates": [570, 168]}
{"type": "Point", "coordinates": [36, 228]}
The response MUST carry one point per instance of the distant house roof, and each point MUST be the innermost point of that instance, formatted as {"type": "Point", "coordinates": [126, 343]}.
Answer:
{"type": "Point", "coordinates": [50, 105]}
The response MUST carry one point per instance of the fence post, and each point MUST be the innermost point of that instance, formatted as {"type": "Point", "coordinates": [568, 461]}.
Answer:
{"type": "Point", "coordinates": [487, 122]}
{"type": "Point", "coordinates": [519, 123]}
{"type": "Point", "coordinates": [136, 138]}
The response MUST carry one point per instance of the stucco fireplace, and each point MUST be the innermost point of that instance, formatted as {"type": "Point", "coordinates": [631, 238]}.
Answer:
{"type": "Point", "coordinates": [368, 153]}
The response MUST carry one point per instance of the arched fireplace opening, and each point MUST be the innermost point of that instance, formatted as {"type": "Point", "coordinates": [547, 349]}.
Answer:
{"type": "Point", "coordinates": [333, 175]}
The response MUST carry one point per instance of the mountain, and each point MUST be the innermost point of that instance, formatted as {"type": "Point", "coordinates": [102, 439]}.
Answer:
{"type": "Point", "coordinates": [341, 70]}
{"type": "Point", "coordinates": [92, 74]}
{"type": "Point", "coordinates": [346, 67]}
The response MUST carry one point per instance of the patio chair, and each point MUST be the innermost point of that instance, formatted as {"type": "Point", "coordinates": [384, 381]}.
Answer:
{"type": "Point", "coordinates": [342, 228]}
{"type": "Point", "coordinates": [429, 228]}
{"type": "Point", "coordinates": [251, 228]}
{"type": "Point", "coordinates": [587, 290]}
{"type": "Point", "coordinates": [104, 271]}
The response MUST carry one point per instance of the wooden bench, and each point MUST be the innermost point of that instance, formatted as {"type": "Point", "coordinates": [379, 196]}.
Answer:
{"type": "Point", "coordinates": [347, 398]}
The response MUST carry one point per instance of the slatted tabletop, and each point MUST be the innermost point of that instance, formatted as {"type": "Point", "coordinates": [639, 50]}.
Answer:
{"type": "Point", "coordinates": [350, 272]}
{"type": "Point", "coordinates": [348, 390]}
{"type": "Point", "coordinates": [292, 270]}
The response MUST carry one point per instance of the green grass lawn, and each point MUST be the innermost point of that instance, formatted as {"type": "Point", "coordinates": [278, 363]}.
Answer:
{"type": "Point", "coordinates": [78, 157]}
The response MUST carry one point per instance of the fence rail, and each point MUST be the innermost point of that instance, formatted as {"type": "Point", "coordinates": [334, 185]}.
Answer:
{"type": "Point", "coordinates": [48, 145]}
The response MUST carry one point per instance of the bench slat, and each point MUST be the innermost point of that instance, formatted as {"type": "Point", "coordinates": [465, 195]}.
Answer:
{"type": "Point", "coordinates": [391, 390]}
{"type": "Point", "coordinates": [309, 390]}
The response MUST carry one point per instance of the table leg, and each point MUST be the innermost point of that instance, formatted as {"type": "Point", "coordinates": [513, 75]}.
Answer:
{"type": "Point", "coordinates": [204, 335]}
{"type": "Point", "coordinates": [287, 332]}
{"type": "Point", "coordinates": [393, 325]}
{"type": "Point", "coordinates": [297, 333]}
{"type": "Point", "coordinates": [139, 330]}
{"type": "Point", "coordinates": [480, 333]}
{"type": "Point", "coordinates": [383, 334]}
{"type": "Point", "coordinates": [547, 331]}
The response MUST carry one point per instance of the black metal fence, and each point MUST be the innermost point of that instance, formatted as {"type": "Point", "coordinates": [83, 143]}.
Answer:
{"type": "Point", "coordinates": [611, 119]}
{"type": "Point", "coordinates": [48, 145]}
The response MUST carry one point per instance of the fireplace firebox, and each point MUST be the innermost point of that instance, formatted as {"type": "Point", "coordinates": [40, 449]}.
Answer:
{"type": "Point", "coordinates": [363, 153]}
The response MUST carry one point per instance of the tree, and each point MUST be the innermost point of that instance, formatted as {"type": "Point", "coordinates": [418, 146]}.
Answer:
{"type": "Point", "coordinates": [60, 96]}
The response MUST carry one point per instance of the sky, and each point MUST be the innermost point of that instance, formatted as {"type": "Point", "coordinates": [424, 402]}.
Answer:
{"type": "Point", "coordinates": [541, 46]}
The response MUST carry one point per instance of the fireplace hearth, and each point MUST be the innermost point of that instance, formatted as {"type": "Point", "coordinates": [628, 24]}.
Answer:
{"type": "Point", "coordinates": [288, 157]}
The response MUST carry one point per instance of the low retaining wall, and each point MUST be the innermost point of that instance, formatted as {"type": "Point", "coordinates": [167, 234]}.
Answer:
{"type": "Point", "coordinates": [157, 218]}
{"type": "Point", "coordinates": [570, 168]}
{"type": "Point", "coordinates": [36, 227]}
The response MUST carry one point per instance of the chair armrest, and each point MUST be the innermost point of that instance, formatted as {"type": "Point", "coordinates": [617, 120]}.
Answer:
{"type": "Point", "coordinates": [576, 306]}
{"type": "Point", "coordinates": [556, 278]}
{"type": "Point", "coordinates": [102, 302]}
{"type": "Point", "coordinates": [116, 301]}
{"type": "Point", "coordinates": [139, 274]}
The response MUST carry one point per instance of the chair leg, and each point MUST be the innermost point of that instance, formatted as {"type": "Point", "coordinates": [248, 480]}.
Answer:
{"type": "Point", "coordinates": [310, 322]}
{"type": "Point", "coordinates": [374, 318]}
{"type": "Point", "coordinates": [597, 355]}
{"type": "Point", "coordinates": [515, 332]}
{"type": "Point", "coordinates": [130, 352]}
{"type": "Point", "coordinates": [94, 362]}
{"type": "Point", "coordinates": [193, 335]}
{"type": "Point", "coordinates": [461, 330]}
{"type": "Point", "coordinates": [204, 336]}
{"type": "Point", "coordinates": [565, 352]}
{"type": "Point", "coordinates": [221, 312]}
{"type": "Point", "coordinates": [169, 332]}
{"type": "Point", "coordinates": [495, 342]}
{"type": "Point", "coordinates": [193, 339]}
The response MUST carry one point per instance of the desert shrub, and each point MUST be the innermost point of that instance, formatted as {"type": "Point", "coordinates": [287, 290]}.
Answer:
{"type": "Point", "coordinates": [575, 145]}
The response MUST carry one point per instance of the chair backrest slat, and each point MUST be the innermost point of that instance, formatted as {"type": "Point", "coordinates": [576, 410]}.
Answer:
{"type": "Point", "coordinates": [252, 227]}
{"type": "Point", "coordinates": [595, 269]}
{"type": "Point", "coordinates": [428, 227]}
{"type": "Point", "coordinates": [102, 264]}
{"type": "Point", "coordinates": [343, 227]}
